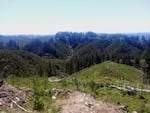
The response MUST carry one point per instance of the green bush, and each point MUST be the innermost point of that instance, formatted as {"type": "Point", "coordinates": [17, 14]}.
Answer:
{"type": "Point", "coordinates": [38, 104]}
{"type": "Point", "coordinates": [93, 86]}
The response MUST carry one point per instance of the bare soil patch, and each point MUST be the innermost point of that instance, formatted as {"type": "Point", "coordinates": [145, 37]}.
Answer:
{"type": "Point", "coordinates": [78, 102]}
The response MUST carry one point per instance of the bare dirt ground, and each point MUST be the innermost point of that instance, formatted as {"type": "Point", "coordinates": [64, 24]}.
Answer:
{"type": "Point", "coordinates": [77, 102]}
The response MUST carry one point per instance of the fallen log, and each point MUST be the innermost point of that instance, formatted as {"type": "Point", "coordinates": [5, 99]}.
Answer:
{"type": "Point", "coordinates": [14, 102]}
{"type": "Point", "coordinates": [130, 89]}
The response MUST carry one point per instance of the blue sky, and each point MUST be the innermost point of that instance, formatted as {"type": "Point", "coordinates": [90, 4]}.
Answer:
{"type": "Point", "coordinates": [51, 16]}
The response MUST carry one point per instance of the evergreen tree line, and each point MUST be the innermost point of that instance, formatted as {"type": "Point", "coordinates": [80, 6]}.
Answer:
{"type": "Point", "coordinates": [81, 50]}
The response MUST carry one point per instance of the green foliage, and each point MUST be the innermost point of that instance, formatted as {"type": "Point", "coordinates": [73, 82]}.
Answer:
{"type": "Point", "coordinates": [145, 64]}
{"type": "Point", "coordinates": [52, 48]}
{"type": "Point", "coordinates": [93, 86]}
{"type": "Point", "coordinates": [64, 83]}
{"type": "Point", "coordinates": [19, 63]}
{"type": "Point", "coordinates": [55, 67]}
{"type": "Point", "coordinates": [80, 51]}
{"type": "Point", "coordinates": [76, 82]}
{"type": "Point", "coordinates": [42, 95]}
{"type": "Point", "coordinates": [97, 79]}
{"type": "Point", "coordinates": [38, 104]}
{"type": "Point", "coordinates": [25, 64]}
{"type": "Point", "coordinates": [93, 81]}
{"type": "Point", "coordinates": [109, 72]}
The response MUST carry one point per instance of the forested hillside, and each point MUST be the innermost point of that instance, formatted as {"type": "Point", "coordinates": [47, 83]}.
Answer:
{"type": "Point", "coordinates": [70, 64]}
{"type": "Point", "coordinates": [24, 64]}
{"type": "Point", "coordinates": [81, 50]}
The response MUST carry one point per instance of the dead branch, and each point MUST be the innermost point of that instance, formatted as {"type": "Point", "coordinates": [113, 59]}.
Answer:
{"type": "Point", "coordinates": [20, 107]}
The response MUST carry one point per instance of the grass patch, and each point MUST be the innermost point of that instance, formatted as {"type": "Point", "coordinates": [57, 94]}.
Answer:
{"type": "Point", "coordinates": [95, 81]}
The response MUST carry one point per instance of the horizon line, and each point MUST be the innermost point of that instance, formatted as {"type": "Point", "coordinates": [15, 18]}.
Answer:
{"type": "Point", "coordinates": [75, 32]}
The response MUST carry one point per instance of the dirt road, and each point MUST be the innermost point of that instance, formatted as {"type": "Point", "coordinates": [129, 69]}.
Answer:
{"type": "Point", "coordinates": [77, 102]}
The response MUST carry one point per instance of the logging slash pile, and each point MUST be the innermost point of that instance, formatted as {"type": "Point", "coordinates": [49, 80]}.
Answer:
{"type": "Point", "coordinates": [14, 99]}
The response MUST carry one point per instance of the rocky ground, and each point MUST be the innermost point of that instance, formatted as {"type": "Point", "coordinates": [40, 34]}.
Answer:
{"type": "Point", "coordinates": [78, 102]}
{"type": "Point", "coordinates": [14, 100]}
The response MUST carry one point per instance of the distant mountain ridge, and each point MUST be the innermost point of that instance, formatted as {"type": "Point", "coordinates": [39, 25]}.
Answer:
{"type": "Point", "coordinates": [82, 49]}
{"type": "Point", "coordinates": [13, 36]}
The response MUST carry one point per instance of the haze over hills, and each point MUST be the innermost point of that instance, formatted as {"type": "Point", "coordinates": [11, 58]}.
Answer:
{"type": "Point", "coordinates": [24, 35]}
{"type": "Point", "coordinates": [90, 47]}
{"type": "Point", "coordinates": [81, 50]}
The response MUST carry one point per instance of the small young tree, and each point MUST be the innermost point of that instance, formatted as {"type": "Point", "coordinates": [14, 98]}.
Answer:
{"type": "Point", "coordinates": [38, 104]}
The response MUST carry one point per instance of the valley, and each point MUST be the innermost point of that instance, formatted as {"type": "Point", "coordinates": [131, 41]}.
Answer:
{"type": "Point", "coordinates": [74, 56]}
{"type": "Point", "coordinates": [75, 72]}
